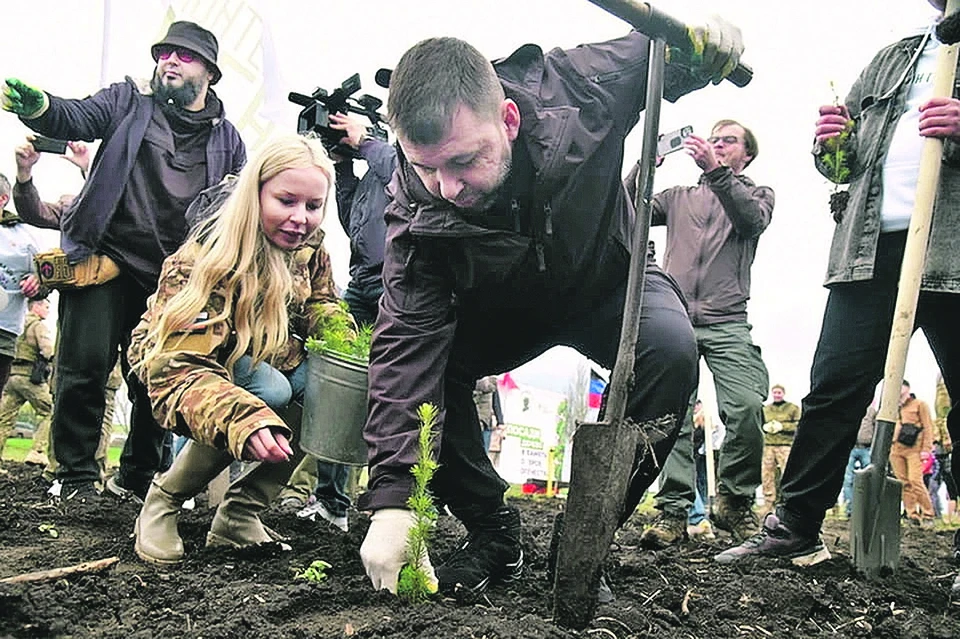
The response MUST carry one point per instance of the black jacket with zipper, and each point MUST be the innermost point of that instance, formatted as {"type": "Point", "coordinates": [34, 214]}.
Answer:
{"type": "Point", "coordinates": [560, 232]}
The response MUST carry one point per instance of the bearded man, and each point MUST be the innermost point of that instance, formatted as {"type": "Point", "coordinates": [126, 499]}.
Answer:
{"type": "Point", "coordinates": [159, 148]}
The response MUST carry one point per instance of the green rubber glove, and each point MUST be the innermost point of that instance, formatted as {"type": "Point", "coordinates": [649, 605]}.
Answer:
{"type": "Point", "coordinates": [23, 99]}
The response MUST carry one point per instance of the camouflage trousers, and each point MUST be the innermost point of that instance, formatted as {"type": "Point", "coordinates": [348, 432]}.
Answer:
{"type": "Point", "coordinates": [774, 462]}
{"type": "Point", "coordinates": [19, 391]}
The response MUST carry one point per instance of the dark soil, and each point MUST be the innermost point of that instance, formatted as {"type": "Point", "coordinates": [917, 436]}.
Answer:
{"type": "Point", "coordinates": [838, 204]}
{"type": "Point", "coordinates": [671, 594]}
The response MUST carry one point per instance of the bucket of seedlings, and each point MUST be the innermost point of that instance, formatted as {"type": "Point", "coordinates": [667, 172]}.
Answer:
{"type": "Point", "coordinates": [335, 398]}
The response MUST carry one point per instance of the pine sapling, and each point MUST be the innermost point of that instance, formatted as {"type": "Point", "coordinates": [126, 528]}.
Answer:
{"type": "Point", "coordinates": [336, 334]}
{"type": "Point", "coordinates": [414, 585]}
{"type": "Point", "coordinates": [835, 159]}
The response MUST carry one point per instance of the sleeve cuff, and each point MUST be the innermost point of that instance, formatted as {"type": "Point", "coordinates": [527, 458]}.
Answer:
{"type": "Point", "coordinates": [391, 492]}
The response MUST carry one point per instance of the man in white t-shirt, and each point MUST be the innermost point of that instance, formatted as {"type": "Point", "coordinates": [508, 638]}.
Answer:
{"type": "Point", "coordinates": [891, 112]}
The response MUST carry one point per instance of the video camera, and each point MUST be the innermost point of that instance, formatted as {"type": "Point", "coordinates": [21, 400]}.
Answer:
{"type": "Point", "coordinates": [318, 106]}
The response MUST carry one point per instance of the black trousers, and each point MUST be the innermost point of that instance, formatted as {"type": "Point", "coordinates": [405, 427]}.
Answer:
{"type": "Point", "coordinates": [94, 328]}
{"type": "Point", "coordinates": [363, 303]}
{"type": "Point", "coordinates": [665, 376]}
{"type": "Point", "coordinates": [847, 366]}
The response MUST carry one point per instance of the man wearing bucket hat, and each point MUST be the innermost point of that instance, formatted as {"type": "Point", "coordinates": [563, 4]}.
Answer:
{"type": "Point", "coordinates": [161, 144]}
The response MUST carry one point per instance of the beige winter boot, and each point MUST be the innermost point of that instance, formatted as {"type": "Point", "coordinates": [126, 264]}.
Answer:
{"type": "Point", "coordinates": [157, 539]}
{"type": "Point", "coordinates": [237, 522]}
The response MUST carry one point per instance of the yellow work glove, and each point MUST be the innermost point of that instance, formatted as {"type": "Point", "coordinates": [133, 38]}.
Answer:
{"type": "Point", "coordinates": [713, 52]}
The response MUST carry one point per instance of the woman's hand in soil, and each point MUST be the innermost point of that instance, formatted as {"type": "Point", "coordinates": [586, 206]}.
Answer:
{"type": "Point", "coordinates": [940, 118]}
{"type": "Point", "coordinates": [832, 121]}
{"type": "Point", "coordinates": [267, 445]}
{"type": "Point", "coordinates": [384, 549]}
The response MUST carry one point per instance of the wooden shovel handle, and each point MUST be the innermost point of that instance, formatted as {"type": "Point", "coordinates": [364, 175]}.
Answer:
{"type": "Point", "coordinates": [915, 251]}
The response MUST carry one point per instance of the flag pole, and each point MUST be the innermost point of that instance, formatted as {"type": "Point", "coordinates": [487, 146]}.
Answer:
{"type": "Point", "coordinates": [105, 43]}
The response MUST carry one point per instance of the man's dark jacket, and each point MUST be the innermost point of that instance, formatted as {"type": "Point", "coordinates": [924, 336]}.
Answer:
{"type": "Point", "coordinates": [566, 239]}
{"type": "Point", "coordinates": [119, 116]}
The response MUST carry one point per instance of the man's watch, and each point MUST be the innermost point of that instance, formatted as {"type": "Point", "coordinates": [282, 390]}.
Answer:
{"type": "Point", "coordinates": [363, 138]}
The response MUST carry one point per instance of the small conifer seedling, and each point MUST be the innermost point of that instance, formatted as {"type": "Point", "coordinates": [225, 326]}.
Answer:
{"type": "Point", "coordinates": [336, 335]}
{"type": "Point", "coordinates": [414, 585]}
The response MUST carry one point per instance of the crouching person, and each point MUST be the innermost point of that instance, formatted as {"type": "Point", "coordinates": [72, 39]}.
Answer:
{"type": "Point", "coordinates": [221, 342]}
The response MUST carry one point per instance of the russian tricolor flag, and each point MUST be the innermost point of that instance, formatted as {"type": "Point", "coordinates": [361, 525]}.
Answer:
{"type": "Point", "coordinates": [597, 384]}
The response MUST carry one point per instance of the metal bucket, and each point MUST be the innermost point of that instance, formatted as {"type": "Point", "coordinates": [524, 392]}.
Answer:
{"type": "Point", "coordinates": [335, 409]}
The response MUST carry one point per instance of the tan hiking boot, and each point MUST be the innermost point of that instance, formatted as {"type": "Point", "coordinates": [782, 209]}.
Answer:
{"type": "Point", "coordinates": [735, 515]}
{"type": "Point", "coordinates": [666, 530]}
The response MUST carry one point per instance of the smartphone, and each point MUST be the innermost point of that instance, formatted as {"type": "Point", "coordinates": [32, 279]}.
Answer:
{"type": "Point", "coordinates": [673, 141]}
{"type": "Point", "coordinates": [44, 144]}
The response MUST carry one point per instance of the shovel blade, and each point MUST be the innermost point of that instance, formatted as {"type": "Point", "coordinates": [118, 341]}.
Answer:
{"type": "Point", "coordinates": [875, 521]}
{"type": "Point", "coordinates": [602, 460]}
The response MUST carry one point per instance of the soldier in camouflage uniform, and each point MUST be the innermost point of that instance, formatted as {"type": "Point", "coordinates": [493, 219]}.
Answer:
{"type": "Point", "coordinates": [780, 419]}
{"type": "Point", "coordinates": [189, 366]}
{"type": "Point", "coordinates": [34, 343]}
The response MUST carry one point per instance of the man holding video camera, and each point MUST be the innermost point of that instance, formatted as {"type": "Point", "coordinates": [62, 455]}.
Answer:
{"type": "Point", "coordinates": [712, 233]}
{"type": "Point", "coordinates": [160, 147]}
{"type": "Point", "coordinates": [361, 203]}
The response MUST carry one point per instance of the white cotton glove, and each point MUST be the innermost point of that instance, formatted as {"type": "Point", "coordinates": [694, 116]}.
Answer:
{"type": "Point", "coordinates": [772, 427]}
{"type": "Point", "coordinates": [384, 549]}
{"type": "Point", "coordinates": [714, 51]}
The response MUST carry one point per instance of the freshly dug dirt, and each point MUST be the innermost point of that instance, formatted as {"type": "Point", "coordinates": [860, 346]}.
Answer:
{"type": "Point", "coordinates": [676, 593]}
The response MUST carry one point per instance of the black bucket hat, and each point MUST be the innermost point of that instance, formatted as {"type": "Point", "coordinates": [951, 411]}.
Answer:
{"type": "Point", "coordinates": [190, 35]}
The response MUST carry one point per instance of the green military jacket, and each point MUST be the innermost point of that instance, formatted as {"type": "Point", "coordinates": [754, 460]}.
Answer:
{"type": "Point", "coordinates": [788, 414]}
{"type": "Point", "coordinates": [34, 342]}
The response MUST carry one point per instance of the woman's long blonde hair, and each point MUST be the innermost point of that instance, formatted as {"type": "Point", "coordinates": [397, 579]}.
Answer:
{"type": "Point", "coordinates": [230, 252]}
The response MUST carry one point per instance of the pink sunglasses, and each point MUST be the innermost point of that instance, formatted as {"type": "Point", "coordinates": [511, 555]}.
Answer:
{"type": "Point", "coordinates": [185, 55]}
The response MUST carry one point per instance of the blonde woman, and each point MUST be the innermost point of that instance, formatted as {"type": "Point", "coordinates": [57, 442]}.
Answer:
{"type": "Point", "coordinates": [229, 315]}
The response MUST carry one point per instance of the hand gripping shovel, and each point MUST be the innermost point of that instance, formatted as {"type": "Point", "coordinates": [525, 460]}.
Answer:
{"type": "Point", "coordinates": [875, 521]}
{"type": "Point", "coordinates": [604, 453]}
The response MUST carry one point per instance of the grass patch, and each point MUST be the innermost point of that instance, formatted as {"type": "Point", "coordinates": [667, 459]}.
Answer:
{"type": "Point", "coordinates": [16, 450]}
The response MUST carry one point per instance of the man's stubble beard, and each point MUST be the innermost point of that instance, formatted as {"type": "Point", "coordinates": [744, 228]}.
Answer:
{"type": "Point", "coordinates": [490, 198]}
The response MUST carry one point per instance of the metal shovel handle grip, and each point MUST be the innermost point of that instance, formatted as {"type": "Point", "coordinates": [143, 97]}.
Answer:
{"type": "Point", "coordinates": [656, 24]}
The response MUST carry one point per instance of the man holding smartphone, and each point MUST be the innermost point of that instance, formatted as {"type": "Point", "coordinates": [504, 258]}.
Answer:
{"type": "Point", "coordinates": [712, 234]}
{"type": "Point", "coordinates": [161, 145]}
